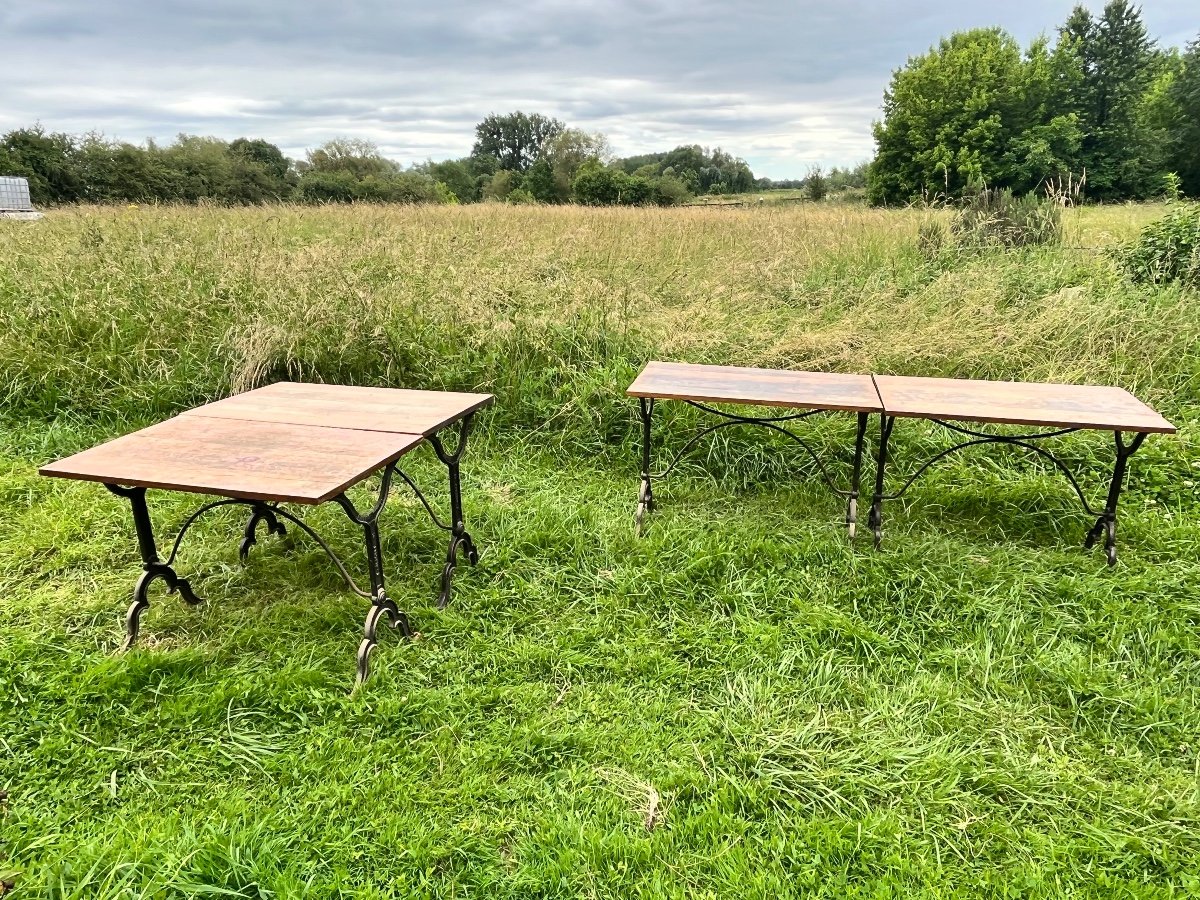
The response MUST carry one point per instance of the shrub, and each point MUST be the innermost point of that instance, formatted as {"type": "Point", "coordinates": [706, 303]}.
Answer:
{"type": "Point", "coordinates": [998, 218]}
{"type": "Point", "coordinates": [816, 186]}
{"type": "Point", "coordinates": [521, 196]}
{"type": "Point", "coordinates": [670, 191]}
{"type": "Point", "coordinates": [596, 185]}
{"type": "Point", "coordinates": [1166, 250]}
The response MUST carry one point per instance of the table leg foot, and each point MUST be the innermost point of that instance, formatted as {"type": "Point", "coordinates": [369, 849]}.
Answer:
{"type": "Point", "coordinates": [396, 620]}
{"type": "Point", "coordinates": [250, 537]}
{"type": "Point", "coordinates": [457, 541]}
{"type": "Point", "coordinates": [141, 600]}
{"type": "Point", "coordinates": [852, 517]}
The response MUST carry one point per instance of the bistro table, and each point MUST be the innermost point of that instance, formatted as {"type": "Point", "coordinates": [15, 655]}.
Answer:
{"type": "Point", "coordinates": [1060, 408]}
{"type": "Point", "coordinates": [701, 386]}
{"type": "Point", "coordinates": [288, 443]}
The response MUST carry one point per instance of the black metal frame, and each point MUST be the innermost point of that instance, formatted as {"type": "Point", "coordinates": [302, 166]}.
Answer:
{"type": "Point", "coordinates": [646, 491]}
{"type": "Point", "coordinates": [1106, 519]}
{"type": "Point", "coordinates": [270, 513]}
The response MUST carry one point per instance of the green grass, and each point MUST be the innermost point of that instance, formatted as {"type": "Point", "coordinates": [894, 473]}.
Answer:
{"type": "Point", "coordinates": [740, 703]}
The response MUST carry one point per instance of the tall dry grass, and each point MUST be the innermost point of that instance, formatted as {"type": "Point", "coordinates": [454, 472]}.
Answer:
{"type": "Point", "coordinates": [142, 311]}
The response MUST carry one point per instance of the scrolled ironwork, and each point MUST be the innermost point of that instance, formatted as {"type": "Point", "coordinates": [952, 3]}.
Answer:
{"type": "Point", "coordinates": [645, 503]}
{"type": "Point", "coordinates": [1106, 519]}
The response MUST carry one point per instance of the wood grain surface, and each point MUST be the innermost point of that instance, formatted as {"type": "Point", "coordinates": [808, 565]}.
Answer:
{"type": "Point", "coordinates": [347, 406]}
{"type": "Point", "coordinates": [760, 387]}
{"type": "Point", "coordinates": [1018, 403]}
{"type": "Point", "coordinates": [234, 458]}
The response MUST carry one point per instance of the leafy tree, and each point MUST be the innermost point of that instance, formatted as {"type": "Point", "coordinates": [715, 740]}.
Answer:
{"type": "Point", "coordinates": [112, 172]}
{"type": "Point", "coordinates": [669, 191]}
{"type": "Point", "coordinates": [699, 169]}
{"type": "Point", "coordinates": [500, 185]}
{"type": "Point", "coordinates": [1047, 146]}
{"type": "Point", "coordinates": [567, 151]}
{"type": "Point", "coordinates": [521, 197]}
{"type": "Point", "coordinates": [514, 141]}
{"type": "Point", "coordinates": [949, 115]}
{"type": "Point", "coordinates": [842, 179]}
{"type": "Point", "coordinates": [458, 177]}
{"type": "Point", "coordinates": [47, 160]}
{"type": "Point", "coordinates": [201, 168]}
{"type": "Point", "coordinates": [1183, 128]}
{"type": "Point", "coordinates": [596, 185]}
{"type": "Point", "coordinates": [358, 158]}
{"type": "Point", "coordinates": [264, 153]}
{"type": "Point", "coordinates": [318, 186]}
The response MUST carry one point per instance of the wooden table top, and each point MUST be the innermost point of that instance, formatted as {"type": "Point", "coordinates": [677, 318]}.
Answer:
{"type": "Point", "coordinates": [1018, 403]}
{"type": "Point", "coordinates": [760, 387]}
{"type": "Point", "coordinates": [235, 458]}
{"type": "Point", "coordinates": [347, 406]}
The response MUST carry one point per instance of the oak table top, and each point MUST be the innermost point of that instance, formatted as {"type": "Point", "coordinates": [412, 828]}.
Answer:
{"type": "Point", "coordinates": [234, 458]}
{"type": "Point", "coordinates": [347, 406]}
{"type": "Point", "coordinates": [288, 442]}
{"type": "Point", "coordinates": [760, 387]}
{"type": "Point", "coordinates": [1018, 403]}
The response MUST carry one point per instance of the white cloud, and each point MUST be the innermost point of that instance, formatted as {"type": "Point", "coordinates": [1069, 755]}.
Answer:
{"type": "Point", "coordinates": [784, 85]}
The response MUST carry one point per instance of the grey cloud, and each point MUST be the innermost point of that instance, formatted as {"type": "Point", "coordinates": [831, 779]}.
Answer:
{"type": "Point", "coordinates": [783, 84]}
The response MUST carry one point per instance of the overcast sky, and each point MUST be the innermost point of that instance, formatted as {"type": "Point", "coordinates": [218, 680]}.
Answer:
{"type": "Point", "coordinates": [785, 85]}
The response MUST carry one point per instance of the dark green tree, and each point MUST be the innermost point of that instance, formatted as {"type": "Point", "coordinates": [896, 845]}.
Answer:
{"type": "Point", "coordinates": [514, 141]}
{"type": "Point", "coordinates": [1183, 128]}
{"type": "Point", "coordinates": [457, 175]}
{"type": "Point", "coordinates": [1117, 63]}
{"type": "Point", "coordinates": [596, 185]}
{"type": "Point", "coordinates": [539, 182]}
{"type": "Point", "coordinates": [113, 172]}
{"type": "Point", "coordinates": [1047, 146]}
{"type": "Point", "coordinates": [816, 186]}
{"type": "Point", "coordinates": [266, 154]}
{"type": "Point", "coordinates": [47, 160]}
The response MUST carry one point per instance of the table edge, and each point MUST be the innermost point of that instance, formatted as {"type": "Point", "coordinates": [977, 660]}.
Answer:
{"type": "Point", "coordinates": [1036, 423]}
{"type": "Point", "coordinates": [832, 407]}
{"type": "Point", "coordinates": [48, 471]}
{"type": "Point", "coordinates": [486, 400]}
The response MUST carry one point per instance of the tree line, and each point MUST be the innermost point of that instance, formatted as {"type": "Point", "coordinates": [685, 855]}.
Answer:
{"type": "Point", "coordinates": [517, 158]}
{"type": "Point", "coordinates": [1100, 113]}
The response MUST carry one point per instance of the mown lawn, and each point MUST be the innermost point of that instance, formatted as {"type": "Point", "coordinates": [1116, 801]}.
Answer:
{"type": "Point", "coordinates": [740, 703]}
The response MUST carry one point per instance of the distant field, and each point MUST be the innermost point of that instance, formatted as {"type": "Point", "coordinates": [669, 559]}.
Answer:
{"type": "Point", "coordinates": [738, 704]}
{"type": "Point", "coordinates": [778, 196]}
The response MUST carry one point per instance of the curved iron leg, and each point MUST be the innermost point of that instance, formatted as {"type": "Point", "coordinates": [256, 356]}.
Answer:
{"type": "Point", "coordinates": [1106, 524]}
{"type": "Point", "coordinates": [152, 567]}
{"type": "Point", "coordinates": [380, 607]}
{"type": "Point", "coordinates": [856, 475]}
{"type": "Point", "coordinates": [262, 513]}
{"type": "Point", "coordinates": [460, 539]}
{"type": "Point", "coordinates": [141, 601]}
{"type": "Point", "coordinates": [381, 604]}
{"type": "Point", "coordinates": [875, 520]}
{"type": "Point", "coordinates": [645, 502]}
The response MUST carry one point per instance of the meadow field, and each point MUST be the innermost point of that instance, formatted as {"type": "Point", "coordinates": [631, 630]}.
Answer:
{"type": "Point", "coordinates": [740, 703]}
